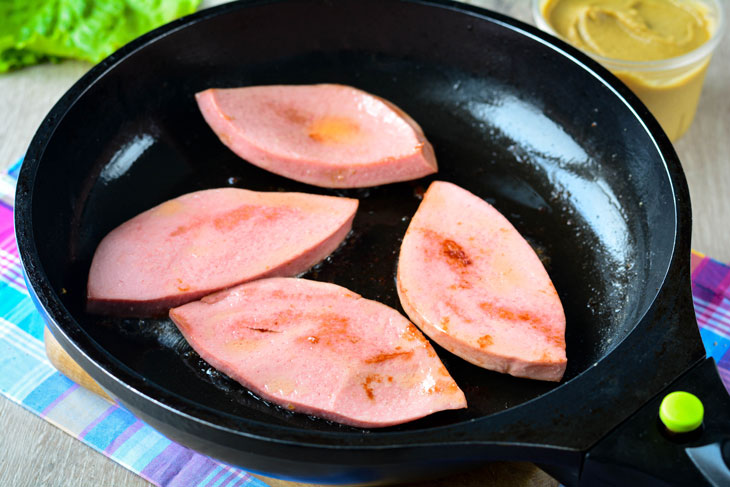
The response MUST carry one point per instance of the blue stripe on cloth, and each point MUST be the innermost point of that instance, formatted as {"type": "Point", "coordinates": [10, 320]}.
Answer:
{"type": "Point", "coordinates": [223, 478]}
{"type": "Point", "coordinates": [23, 365]}
{"type": "Point", "coordinates": [210, 476]}
{"type": "Point", "coordinates": [152, 449]}
{"type": "Point", "coordinates": [102, 435]}
{"type": "Point", "coordinates": [21, 340]}
{"type": "Point", "coordinates": [14, 364]}
{"type": "Point", "coordinates": [17, 307]}
{"type": "Point", "coordinates": [28, 383]}
{"type": "Point", "coordinates": [15, 168]}
{"type": "Point", "coordinates": [47, 392]}
{"type": "Point", "coordinates": [716, 345]}
{"type": "Point", "coordinates": [141, 448]}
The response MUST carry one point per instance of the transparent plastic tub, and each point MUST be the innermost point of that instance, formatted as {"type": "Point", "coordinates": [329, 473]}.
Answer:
{"type": "Point", "coordinates": [671, 87]}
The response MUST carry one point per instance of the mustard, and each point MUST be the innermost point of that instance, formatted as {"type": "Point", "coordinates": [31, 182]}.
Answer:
{"type": "Point", "coordinates": [643, 32]}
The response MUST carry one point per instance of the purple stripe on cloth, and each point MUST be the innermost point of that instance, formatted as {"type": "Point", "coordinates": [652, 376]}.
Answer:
{"type": "Point", "coordinates": [724, 286]}
{"type": "Point", "coordinates": [711, 281]}
{"type": "Point", "coordinates": [60, 398]}
{"type": "Point", "coordinates": [126, 434]}
{"type": "Point", "coordinates": [11, 272]}
{"type": "Point", "coordinates": [168, 464]}
{"type": "Point", "coordinates": [230, 476]}
{"type": "Point", "coordinates": [98, 420]}
{"type": "Point", "coordinates": [242, 480]}
{"type": "Point", "coordinates": [216, 477]}
{"type": "Point", "coordinates": [194, 472]}
{"type": "Point", "coordinates": [724, 376]}
{"type": "Point", "coordinates": [225, 478]}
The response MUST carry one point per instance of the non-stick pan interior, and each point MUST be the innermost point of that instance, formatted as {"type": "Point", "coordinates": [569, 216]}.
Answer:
{"type": "Point", "coordinates": [511, 119]}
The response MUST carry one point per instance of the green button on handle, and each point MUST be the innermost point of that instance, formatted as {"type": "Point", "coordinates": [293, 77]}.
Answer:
{"type": "Point", "coordinates": [681, 412]}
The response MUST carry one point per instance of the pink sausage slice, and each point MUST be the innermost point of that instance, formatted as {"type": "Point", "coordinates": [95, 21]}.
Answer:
{"type": "Point", "coordinates": [210, 240]}
{"type": "Point", "coordinates": [326, 135]}
{"type": "Point", "coordinates": [320, 349]}
{"type": "Point", "coordinates": [470, 281]}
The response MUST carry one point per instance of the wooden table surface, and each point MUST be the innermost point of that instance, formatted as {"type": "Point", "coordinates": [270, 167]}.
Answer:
{"type": "Point", "coordinates": [34, 453]}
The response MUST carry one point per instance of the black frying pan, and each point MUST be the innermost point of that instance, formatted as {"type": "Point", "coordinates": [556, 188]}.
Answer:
{"type": "Point", "coordinates": [561, 148]}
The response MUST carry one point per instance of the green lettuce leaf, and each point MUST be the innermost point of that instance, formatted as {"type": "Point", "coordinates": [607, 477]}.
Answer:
{"type": "Point", "coordinates": [32, 31]}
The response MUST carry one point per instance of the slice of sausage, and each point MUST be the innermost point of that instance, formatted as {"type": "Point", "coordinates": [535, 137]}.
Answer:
{"type": "Point", "coordinates": [210, 240]}
{"type": "Point", "coordinates": [470, 281]}
{"type": "Point", "coordinates": [327, 135]}
{"type": "Point", "coordinates": [320, 349]}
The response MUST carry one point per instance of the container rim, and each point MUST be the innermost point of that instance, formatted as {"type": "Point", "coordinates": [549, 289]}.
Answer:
{"type": "Point", "coordinates": [697, 55]}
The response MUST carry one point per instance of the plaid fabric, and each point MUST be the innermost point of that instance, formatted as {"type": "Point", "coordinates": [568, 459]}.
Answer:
{"type": "Point", "coordinates": [711, 295]}
{"type": "Point", "coordinates": [28, 378]}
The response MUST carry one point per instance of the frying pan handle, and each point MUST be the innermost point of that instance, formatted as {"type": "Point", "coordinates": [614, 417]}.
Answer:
{"type": "Point", "coordinates": [712, 460]}
{"type": "Point", "coordinates": [642, 452]}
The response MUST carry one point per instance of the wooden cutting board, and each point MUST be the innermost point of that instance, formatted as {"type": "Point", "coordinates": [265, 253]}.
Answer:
{"type": "Point", "coordinates": [502, 474]}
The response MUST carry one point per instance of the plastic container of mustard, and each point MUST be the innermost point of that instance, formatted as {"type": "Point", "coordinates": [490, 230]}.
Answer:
{"type": "Point", "coordinates": [659, 48]}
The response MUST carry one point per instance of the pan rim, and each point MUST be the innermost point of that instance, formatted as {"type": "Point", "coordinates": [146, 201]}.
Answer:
{"type": "Point", "coordinates": [102, 360]}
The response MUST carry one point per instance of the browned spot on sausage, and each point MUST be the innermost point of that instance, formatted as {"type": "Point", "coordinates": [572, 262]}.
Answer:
{"type": "Point", "coordinates": [382, 357]}
{"type": "Point", "coordinates": [457, 311]}
{"type": "Point", "coordinates": [448, 386]}
{"type": "Point", "coordinates": [445, 323]}
{"type": "Point", "coordinates": [231, 219]}
{"type": "Point", "coordinates": [390, 378]}
{"type": "Point", "coordinates": [455, 253]}
{"type": "Point", "coordinates": [546, 358]}
{"type": "Point", "coordinates": [225, 138]}
{"type": "Point", "coordinates": [367, 385]}
{"type": "Point", "coordinates": [558, 340]}
{"type": "Point", "coordinates": [183, 229]}
{"type": "Point", "coordinates": [170, 207]}
{"type": "Point", "coordinates": [462, 284]}
{"type": "Point", "coordinates": [181, 286]}
{"type": "Point", "coordinates": [485, 341]}
{"type": "Point", "coordinates": [332, 329]}
{"type": "Point", "coordinates": [276, 323]}
{"type": "Point", "coordinates": [442, 386]}
{"type": "Point", "coordinates": [411, 333]}
{"type": "Point", "coordinates": [289, 113]}
{"type": "Point", "coordinates": [263, 330]}
{"type": "Point", "coordinates": [335, 130]}
{"type": "Point", "coordinates": [313, 339]}
{"type": "Point", "coordinates": [509, 314]}
{"type": "Point", "coordinates": [536, 322]}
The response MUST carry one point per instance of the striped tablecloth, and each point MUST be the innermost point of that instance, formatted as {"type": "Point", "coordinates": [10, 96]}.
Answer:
{"type": "Point", "coordinates": [28, 378]}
